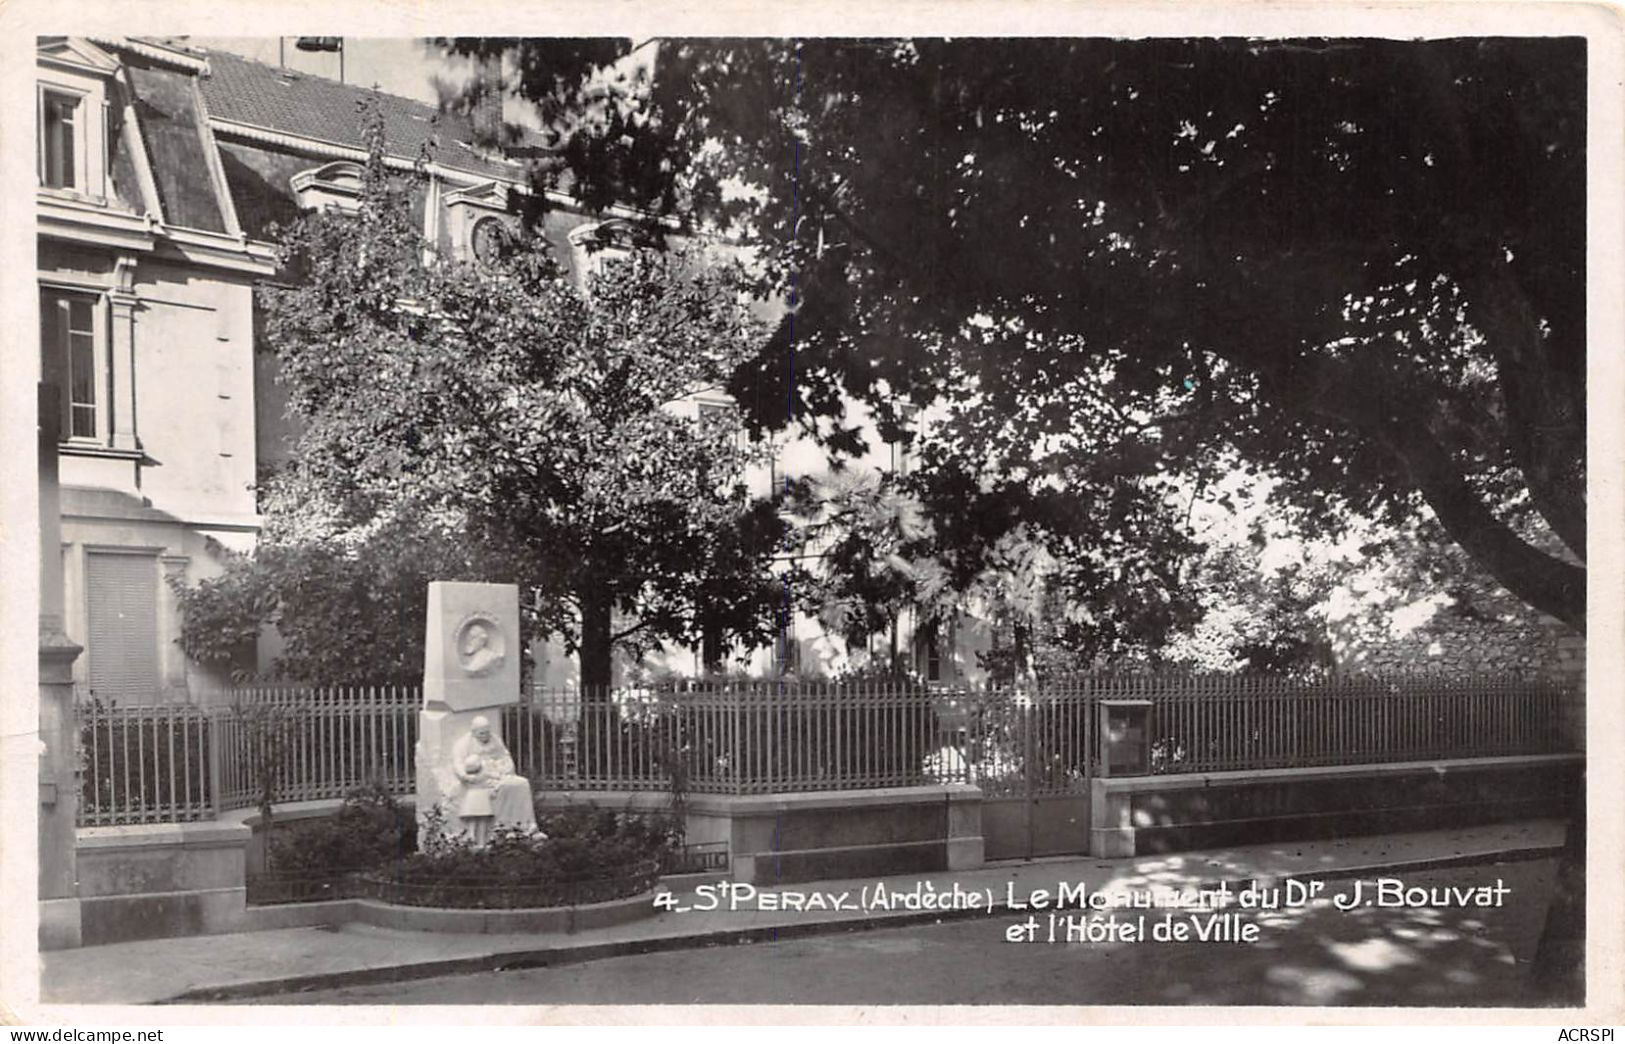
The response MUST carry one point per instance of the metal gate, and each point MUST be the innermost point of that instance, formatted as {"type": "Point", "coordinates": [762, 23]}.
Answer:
{"type": "Point", "coordinates": [1031, 757]}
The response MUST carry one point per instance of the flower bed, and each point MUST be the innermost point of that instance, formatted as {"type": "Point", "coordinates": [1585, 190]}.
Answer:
{"type": "Point", "coordinates": [581, 855]}
{"type": "Point", "coordinates": [368, 850]}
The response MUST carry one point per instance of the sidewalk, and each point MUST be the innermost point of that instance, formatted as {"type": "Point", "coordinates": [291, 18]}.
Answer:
{"type": "Point", "coordinates": [199, 969]}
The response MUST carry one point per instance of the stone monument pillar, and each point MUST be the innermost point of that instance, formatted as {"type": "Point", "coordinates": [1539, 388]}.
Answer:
{"type": "Point", "coordinates": [470, 670]}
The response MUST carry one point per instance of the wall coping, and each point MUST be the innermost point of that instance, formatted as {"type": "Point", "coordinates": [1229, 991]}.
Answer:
{"type": "Point", "coordinates": [146, 835]}
{"type": "Point", "coordinates": [1243, 777]}
{"type": "Point", "coordinates": [735, 804]}
{"type": "Point", "coordinates": [295, 810]}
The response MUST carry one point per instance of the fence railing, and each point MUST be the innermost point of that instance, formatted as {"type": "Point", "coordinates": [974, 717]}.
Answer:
{"type": "Point", "coordinates": [144, 764]}
{"type": "Point", "coordinates": [727, 739]}
{"type": "Point", "coordinates": [320, 743]}
{"type": "Point", "coordinates": [1215, 724]}
{"type": "Point", "coordinates": [172, 762]}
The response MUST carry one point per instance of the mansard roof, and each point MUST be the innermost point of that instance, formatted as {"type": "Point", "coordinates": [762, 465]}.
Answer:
{"type": "Point", "coordinates": [296, 104]}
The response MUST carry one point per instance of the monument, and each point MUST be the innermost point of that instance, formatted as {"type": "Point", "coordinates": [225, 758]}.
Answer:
{"type": "Point", "coordinates": [470, 672]}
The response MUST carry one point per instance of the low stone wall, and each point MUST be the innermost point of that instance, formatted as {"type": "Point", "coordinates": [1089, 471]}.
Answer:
{"type": "Point", "coordinates": [1142, 815]}
{"type": "Point", "coordinates": [144, 882]}
{"type": "Point", "coordinates": [825, 834]}
{"type": "Point", "coordinates": [155, 881]}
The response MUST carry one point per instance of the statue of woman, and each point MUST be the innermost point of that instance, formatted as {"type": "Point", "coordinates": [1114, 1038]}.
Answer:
{"type": "Point", "coordinates": [490, 795]}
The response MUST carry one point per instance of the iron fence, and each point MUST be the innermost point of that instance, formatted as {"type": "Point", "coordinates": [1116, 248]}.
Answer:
{"type": "Point", "coordinates": [180, 762]}
{"type": "Point", "coordinates": [1215, 724]}
{"type": "Point", "coordinates": [144, 764]}
{"type": "Point", "coordinates": [176, 762]}
{"type": "Point", "coordinates": [755, 738]}
{"type": "Point", "coordinates": [317, 743]}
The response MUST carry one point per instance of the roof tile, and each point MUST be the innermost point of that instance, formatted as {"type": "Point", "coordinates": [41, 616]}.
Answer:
{"type": "Point", "coordinates": [298, 103]}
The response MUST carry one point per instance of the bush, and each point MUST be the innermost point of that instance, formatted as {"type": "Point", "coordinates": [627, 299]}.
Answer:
{"type": "Point", "coordinates": [589, 855]}
{"type": "Point", "coordinates": [649, 836]}
{"type": "Point", "coordinates": [370, 828]}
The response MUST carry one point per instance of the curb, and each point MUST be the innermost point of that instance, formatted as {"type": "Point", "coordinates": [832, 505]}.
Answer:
{"type": "Point", "coordinates": [518, 960]}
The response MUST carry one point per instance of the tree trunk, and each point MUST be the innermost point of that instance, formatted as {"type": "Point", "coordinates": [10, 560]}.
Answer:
{"type": "Point", "coordinates": [597, 648]}
{"type": "Point", "coordinates": [1542, 382]}
{"type": "Point", "coordinates": [712, 650]}
{"type": "Point", "coordinates": [1558, 975]}
{"type": "Point", "coordinates": [1023, 665]}
{"type": "Point", "coordinates": [595, 734]}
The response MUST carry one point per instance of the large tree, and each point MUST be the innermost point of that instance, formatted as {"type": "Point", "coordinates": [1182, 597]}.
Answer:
{"type": "Point", "coordinates": [522, 425]}
{"type": "Point", "coordinates": [1358, 262]}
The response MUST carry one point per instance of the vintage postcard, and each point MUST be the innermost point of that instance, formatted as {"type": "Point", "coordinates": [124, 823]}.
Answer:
{"type": "Point", "coordinates": [812, 513]}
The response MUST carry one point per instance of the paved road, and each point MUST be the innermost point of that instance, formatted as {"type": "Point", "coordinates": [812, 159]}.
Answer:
{"type": "Point", "coordinates": [1313, 954]}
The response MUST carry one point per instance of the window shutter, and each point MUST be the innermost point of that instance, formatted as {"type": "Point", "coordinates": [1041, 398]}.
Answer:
{"type": "Point", "coordinates": [122, 595]}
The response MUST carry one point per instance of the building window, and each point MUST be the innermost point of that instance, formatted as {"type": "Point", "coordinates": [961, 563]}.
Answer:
{"type": "Point", "coordinates": [786, 647]}
{"type": "Point", "coordinates": [930, 652]}
{"type": "Point", "coordinates": [121, 602]}
{"type": "Point", "coordinates": [610, 263]}
{"type": "Point", "coordinates": [600, 249]}
{"type": "Point", "coordinates": [720, 416]}
{"type": "Point", "coordinates": [69, 345]}
{"type": "Point", "coordinates": [61, 140]}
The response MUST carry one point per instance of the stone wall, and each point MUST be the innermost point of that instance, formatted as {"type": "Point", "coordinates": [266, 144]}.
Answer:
{"type": "Point", "coordinates": [1500, 637]}
{"type": "Point", "coordinates": [1459, 640]}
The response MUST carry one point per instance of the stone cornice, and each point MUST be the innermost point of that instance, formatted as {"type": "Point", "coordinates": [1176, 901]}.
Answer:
{"type": "Point", "coordinates": [93, 225]}
{"type": "Point", "coordinates": [67, 218]}
{"type": "Point", "coordinates": [221, 251]}
{"type": "Point", "coordinates": [156, 52]}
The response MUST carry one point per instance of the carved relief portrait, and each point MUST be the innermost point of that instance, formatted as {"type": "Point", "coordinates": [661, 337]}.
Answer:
{"type": "Point", "coordinates": [480, 645]}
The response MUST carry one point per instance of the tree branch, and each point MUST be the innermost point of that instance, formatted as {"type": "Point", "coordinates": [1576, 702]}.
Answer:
{"type": "Point", "coordinates": [1548, 583]}
{"type": "Point", "coordinates": [641, 625]}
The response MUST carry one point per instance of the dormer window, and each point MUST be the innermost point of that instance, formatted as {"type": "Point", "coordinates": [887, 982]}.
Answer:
{"type": "Point", "coordinates": [479, 222]}
{"type": "Point", "coordinates": [600, 247]}
{"type": "Point", "coordinates": [334, 185]}
{"type": "Point", "coordinates": [69, 103]}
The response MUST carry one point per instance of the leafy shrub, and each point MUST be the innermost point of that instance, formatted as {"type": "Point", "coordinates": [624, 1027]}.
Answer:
{"type": "Point", "coordinates": [650, 836]}
{"type": "Point", "coordinates": [589, 855]}
{"type": "Point", "coordinates": [369, 829]}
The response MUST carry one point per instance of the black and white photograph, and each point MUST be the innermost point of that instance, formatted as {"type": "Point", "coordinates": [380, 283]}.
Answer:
{"type": "Point", "coordinates": [864, 516]}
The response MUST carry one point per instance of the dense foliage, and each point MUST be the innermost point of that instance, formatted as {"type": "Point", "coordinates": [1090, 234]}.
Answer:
{"type": "Point", "coordinates": [369, 829]}
{"type": "Point", "coordinates": [1357, 263]}
{"type": "Point", "coordinates": [328, 600]}
{"type": "Point", "coordinates": [499, 421]}
{"type": "Point", "coordinates": [588, 855]}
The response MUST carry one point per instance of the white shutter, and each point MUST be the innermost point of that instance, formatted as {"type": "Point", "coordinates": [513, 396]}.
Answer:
{"type": "Point", "coordinates": [121, 591]}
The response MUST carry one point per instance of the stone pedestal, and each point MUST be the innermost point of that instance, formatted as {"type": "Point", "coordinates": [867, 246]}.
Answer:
{"type": "Point", "coordinates": [470, 669]}
{"type": "Point", "coordinates": [59, 908]}
{"type": "Point", "coordinates": [59, 918]}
